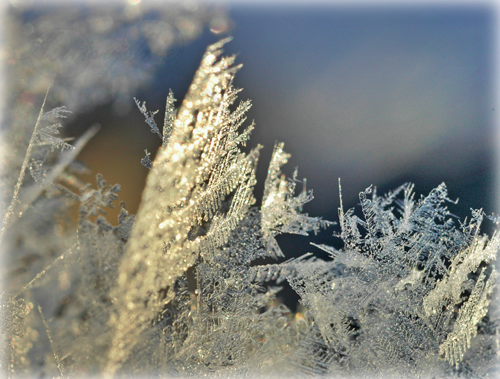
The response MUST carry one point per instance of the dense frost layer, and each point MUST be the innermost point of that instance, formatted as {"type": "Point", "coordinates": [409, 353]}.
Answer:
{"type": "Point", "coordinates": [175, 291]}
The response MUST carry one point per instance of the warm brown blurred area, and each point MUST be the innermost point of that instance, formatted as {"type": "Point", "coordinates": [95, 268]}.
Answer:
{"type": "Point", "coordinates": [124, 167]}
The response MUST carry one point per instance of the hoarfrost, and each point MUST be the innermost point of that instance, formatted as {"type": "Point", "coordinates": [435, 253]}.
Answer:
{"type": "Point", "coordinates": [177, 290]}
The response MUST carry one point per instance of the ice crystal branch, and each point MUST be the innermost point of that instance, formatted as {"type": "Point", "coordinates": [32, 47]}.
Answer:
{"type": "Point", "coordinates": [12, 316]}
{"type": "Point", "coordinates": [45, 135]}
{"type": "Point", "coordinates": [170, 114]}
{"type": "Point", "coordinates": [17, 188]}
{"type": "Point", "coordinates": [176, 200]}
{"type": "Point", "coordinates": [149, 117]}
{"type": "Point", "coordinates": [396, 287]}
{"type": "Point", "coordinates": [281, 210]}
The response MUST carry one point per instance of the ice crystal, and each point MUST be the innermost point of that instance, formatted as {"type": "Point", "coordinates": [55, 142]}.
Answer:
{"type": "Point", "coordinates": [387, 303]}
{"type": "Point", "coordinates": [12, 312]}
{"type": "Point", "coordinates": [168, 123]}
{"type": "Point", "coordinates": [146, 161]}
{"type": "Point", "coordinates": [178, 290]}
{"type": "Point", "coordinates": [170, 114]}
{"type": "Point", "coordinates": [176, 201]}
{"type": "Point", "coordinates": [45, 135]}
{"type": "Point", "coordinates": [93, 201]}
{"type": "Point", "coordinates": [280, 209]}
{"type": "Point", "coordinates": [149, 117]}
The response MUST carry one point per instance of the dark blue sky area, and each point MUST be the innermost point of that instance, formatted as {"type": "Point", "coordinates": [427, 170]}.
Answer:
{"type": "Point", "coordinates": [373, 95]}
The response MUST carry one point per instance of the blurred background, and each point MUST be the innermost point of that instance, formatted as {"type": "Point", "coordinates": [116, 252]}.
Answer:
{"type": "Point", "coordinates": [371, 94]}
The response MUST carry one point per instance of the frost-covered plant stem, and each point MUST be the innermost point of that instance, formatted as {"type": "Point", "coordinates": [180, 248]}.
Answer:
{"type": "Point", "coordinates": [15, 196]}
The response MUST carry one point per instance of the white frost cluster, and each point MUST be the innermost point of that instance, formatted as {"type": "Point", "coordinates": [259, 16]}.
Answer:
{"type": "Point", "coordinates": [175, 291]}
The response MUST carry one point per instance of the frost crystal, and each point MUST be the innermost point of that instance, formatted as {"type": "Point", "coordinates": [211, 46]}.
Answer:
{"type": "Point", "coordinates": [149, 117]}
{"type": "Point", "coordinates": [146, 161]}
{"type": "Point", "coordinates": [280, 209]}
{"type": "Point", "coordinates": [180, 290]}
{"type": "Point", "coordinates": [200, 166]}
{"type": "Point", "coordinates": [170, 114]}
{"type": "Point", "coordinates": [387, 304]}
{"type": "Point", "coordinates": [45, 135]}
{"type": "Point", "coordinates": [12, 312]}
